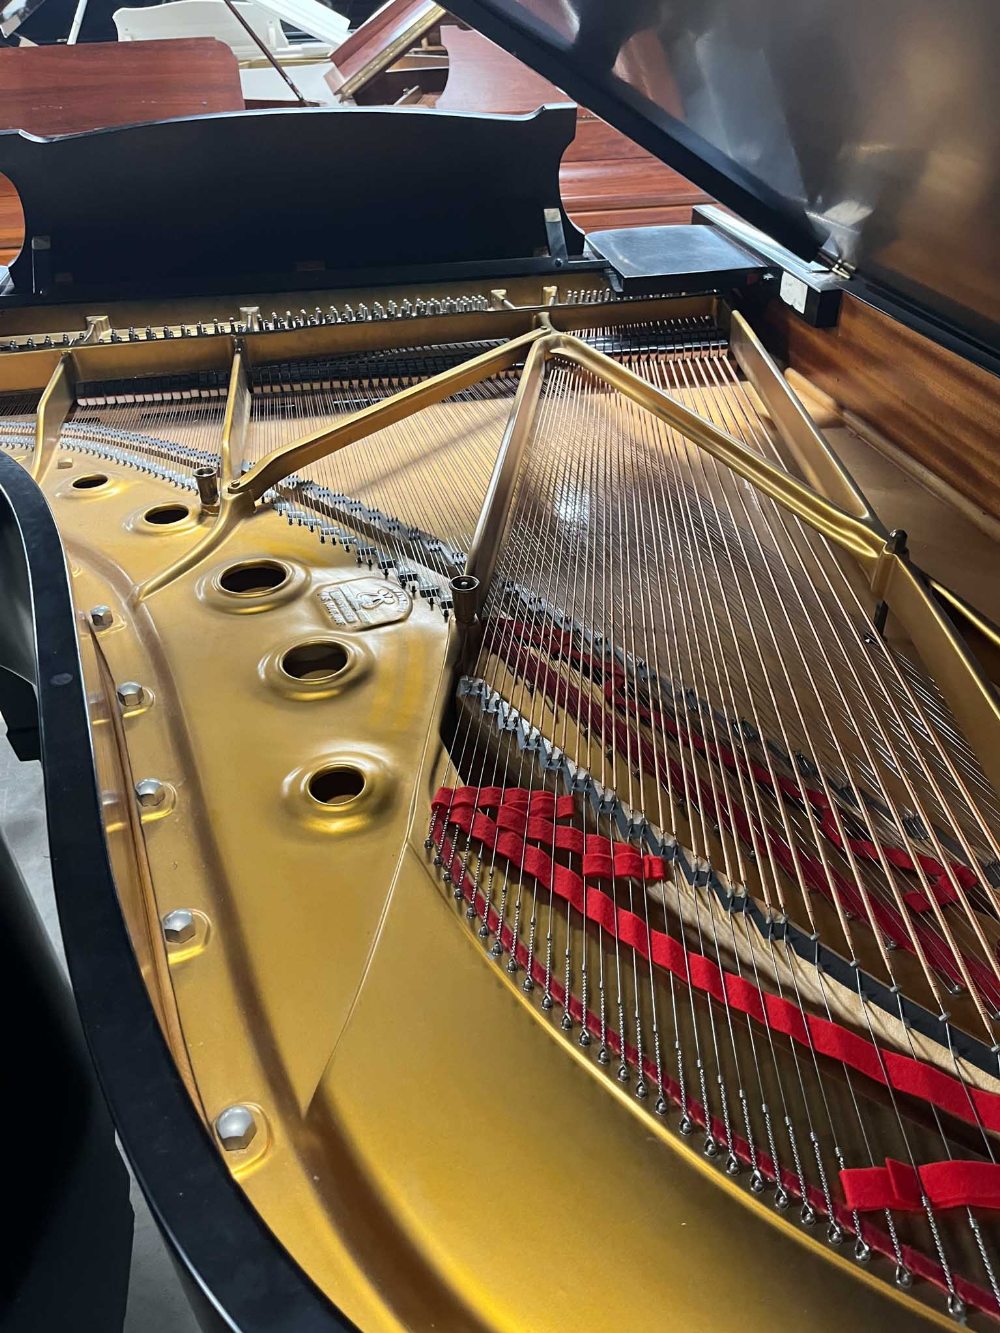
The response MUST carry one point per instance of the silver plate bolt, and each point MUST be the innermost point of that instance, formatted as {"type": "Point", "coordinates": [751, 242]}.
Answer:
{"type": "Point", "coordinates": [150, 792]}
{"type": "Point", "coordinates": [207, 481]}
{"type": "Point", "coordinates": [130, 693]}
{"type": "Point", "coordinates": [179, 926]}
{"type": "Point", "coordinates": [236, 1128]}
{"type": "Point", "coordinates": [101, 616]}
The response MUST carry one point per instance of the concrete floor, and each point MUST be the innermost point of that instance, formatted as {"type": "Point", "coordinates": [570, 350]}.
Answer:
{"type": "Point", "coordinates": [156, 1302]}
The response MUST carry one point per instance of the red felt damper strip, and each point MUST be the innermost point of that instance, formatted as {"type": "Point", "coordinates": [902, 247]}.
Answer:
{"type": "Point", "coordinates": [542, 803]}
{"type": "Point", "coordinates": [884, 1066]}
{"type": "Point", "coordinates": [955, 1184]}
{"type": "Point", "coordinates": [793, 860]}
{"type": "Point", "coordinates": [522, 812]}
{"type": "Point", "coordinates": [919, 1263]}
{"type": "Point", "coordinates": [943, 880]}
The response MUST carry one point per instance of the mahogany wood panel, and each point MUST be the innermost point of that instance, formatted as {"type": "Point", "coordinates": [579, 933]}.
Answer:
{"type": "Point", "coordinates": [64, 89]}
{"type": "Point", "coordinates": [375, 36]}
{"type": "Point", "coordinates": [626, 184]}
{"type": "Point", "coordinates": [936, 406]}
{"type": "Point", "coordinates": [11, 222]}
{"type": "Point", "coordinates": [605, 219]}
{"type": "Point", "coordinates": [607, 180]}
{"type": "Point", "coordinates": [597, 141]}
{"type": "Point", "coordinates": [483, 77]}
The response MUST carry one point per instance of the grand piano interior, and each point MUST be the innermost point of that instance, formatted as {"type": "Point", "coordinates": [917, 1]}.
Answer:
{"type": "Point", "coordinates": [532, 695]}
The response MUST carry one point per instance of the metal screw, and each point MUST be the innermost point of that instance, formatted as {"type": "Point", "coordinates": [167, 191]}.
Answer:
{"type": "Point", "coordinates": [236, 1128]}
{"type": "Point", "coordinates": [179, 926]}
{"type": "Point", "coordinates": [150, 792]}
{"type": "Point", "coordinates": [130, 693]}
{"type": "Point", "coordinates": [101, 616]}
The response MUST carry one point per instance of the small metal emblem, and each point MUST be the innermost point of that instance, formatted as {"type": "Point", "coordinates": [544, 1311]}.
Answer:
{"type": "Point", "coordinates": [362, 603]}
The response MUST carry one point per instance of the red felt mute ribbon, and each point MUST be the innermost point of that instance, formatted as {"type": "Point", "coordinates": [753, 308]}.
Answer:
{"type": "Point", "coordinates": [957, 1184]}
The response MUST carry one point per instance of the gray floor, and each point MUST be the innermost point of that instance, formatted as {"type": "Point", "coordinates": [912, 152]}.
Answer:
{"type": "Point", "coordinates": [156, 1302]}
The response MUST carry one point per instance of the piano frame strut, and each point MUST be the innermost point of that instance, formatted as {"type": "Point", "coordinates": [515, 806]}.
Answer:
{"type": "Point", "coordinates": [830, 501]}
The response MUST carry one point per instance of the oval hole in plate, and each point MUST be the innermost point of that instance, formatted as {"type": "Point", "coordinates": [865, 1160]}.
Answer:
{"type": "Point", "coordinates": [162, 515]}
{"type": "Point", "coordinates": [336, 785]}
{"type": "Point", "coordinates": [253, 577]}
{"type": "Point", "coordinates": [320, 659]}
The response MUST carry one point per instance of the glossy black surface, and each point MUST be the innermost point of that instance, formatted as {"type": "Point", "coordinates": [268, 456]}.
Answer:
{"type": "Point", "coordinates": [67, 1244]}
{"type": "Point", "coordinates": [653, 261]}
{"type": "Point", "coordinates": [247, 200]}
{"type": "Point", "coordinates": [868, 130]}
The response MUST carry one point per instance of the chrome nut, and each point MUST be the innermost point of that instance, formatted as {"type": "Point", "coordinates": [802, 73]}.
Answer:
{"type": "Point", "coordinates": [236, 1128]}
{"type": "Point", "coordinates": [179, 926]}
{"type": "Point", "coordinates": [150, 793]}
{"type": "Point", "coordinates": [130, 694]}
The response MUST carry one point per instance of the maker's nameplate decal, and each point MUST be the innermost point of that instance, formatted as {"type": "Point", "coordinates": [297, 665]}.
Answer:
{"type": "Point", "coordinates": [362, 603]}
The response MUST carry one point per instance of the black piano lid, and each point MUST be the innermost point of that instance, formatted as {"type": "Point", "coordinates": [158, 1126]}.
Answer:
{"type": "Point", "coordinates": [868, 130]}
{"type": "Point", "coordinates": [289, 199]}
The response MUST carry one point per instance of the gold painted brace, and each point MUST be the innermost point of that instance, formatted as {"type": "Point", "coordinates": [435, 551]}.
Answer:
{"type": "Point", "coordinates": [846, 519]}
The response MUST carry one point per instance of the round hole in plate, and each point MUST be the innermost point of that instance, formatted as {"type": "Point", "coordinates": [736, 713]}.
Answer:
{"type": "Point", "coordinates": [90, 482]}
{"type": "Point", "coordinates": [336, 785]}
{"type": "Point", "coordinates": [161, 515]}
{"type": "Point", "coordinates": [319, 660]}
{"type": "Point", "coordinates": [253, 577]}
